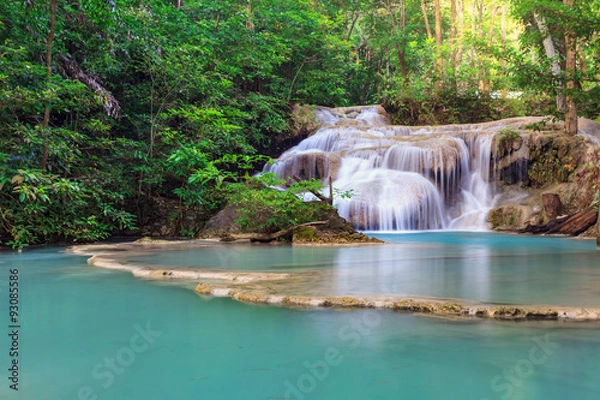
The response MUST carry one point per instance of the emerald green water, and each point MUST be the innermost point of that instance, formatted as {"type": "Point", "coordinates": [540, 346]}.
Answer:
{"type": "Point", "coordinates": [478, 266]}
{"type": "Point", "coordinates": [74, 316]}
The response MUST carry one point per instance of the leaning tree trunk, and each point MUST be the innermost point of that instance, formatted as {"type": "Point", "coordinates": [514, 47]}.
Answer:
{"type": "Point", "coordinates": [551, 54]}
{"type": "Point", "coordinates": [570, 67]}
{"type": "Point", "coordinates": [46, 123]}
{"type": "Point", "coordinates": [427, 26]}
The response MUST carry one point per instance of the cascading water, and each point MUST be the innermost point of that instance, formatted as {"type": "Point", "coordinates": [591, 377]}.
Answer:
{"type": "Point", "coordinates": [401, 178]}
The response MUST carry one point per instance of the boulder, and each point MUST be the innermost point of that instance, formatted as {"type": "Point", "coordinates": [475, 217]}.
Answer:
{"type": "Point", "coordinates": [223, 224]}
{"type": "Point", "coordinates": [509, 217]}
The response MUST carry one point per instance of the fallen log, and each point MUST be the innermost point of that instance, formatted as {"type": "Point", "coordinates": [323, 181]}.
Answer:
{"type": "Point", "coordinates": [269, 237]}
{"type": "Point", "coordinates": [573, 224]}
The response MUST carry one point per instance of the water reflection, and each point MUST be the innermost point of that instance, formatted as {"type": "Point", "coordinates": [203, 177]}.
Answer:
{"type": "Point", "coordinates": [476, 266]}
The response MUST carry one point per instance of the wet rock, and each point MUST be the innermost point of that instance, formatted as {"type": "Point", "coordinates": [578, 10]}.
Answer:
{"type": "Point", "coordinates": [481, 312]}
{"type": "Point", "coordinates": [303, 124]}
{"type": "Point", "coordinates": [510, 155]}
{"type": "Point", "coordinates": [543, 314]}
{"type": "Point", "coordinates": [510, 312]}
{"type": "Point", "coordinates": [413, 306]}
{"type": "Point", "coordinates": [508, 218]}
{"type": "Point", "coordinates": [344, 302]}
{"type": "Point", "coordinates": [203, 288]}
{"type": "Point", "coordinates": [315, 165]}
{"type": "Point", "coordinates": [249, 297]}
{"type": "Point", "coordinates": [546, 161]}
{"type": "Point", "coordinates": [298, 301]}
{"type": "Point", "coordinates": [160, 273]}
{"type": "Point", "coordinates": [451, 308]}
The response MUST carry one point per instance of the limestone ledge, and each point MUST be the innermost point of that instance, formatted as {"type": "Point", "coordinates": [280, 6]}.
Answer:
{"type": "Point", "coordinates": [433, 306]}
{"type": "Point", "coordinates": [189, 274]}
{"type": "Point", "coordinates": [100, 256]}
{"type": "Point", "coordinates": [246, 287]}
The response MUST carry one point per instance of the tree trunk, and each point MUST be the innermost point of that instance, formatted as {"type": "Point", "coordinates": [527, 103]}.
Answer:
{"type": "Point", "coordinates": [485, 72]}
{"type": "Point", "coordinates": [572, 225]}
{"type": "Point", "coordinates": [481, 72]}
{"type": "Point", "coordinates": [427, 26]}
{"type": "Point", "coordinates": [453, 35]}
{"type": "Point", "coordinates": [570, 69]}
{"type": "Point", "coordinates": [460, 28]}
{"type": "Point", "coordinates": [46, 123]}
{"type": "Point", "coordinates": [249, 16]}
{"type": "Point", "coordinates": [503, 61]}
{"type": "Point", "coordinates": [551, 54]}
{"type": "Point", "coordinates": [398, 30]}
{"type": "Point", "coordinates": [438, 43]}
{"type": "Point", "coordinates": [178, 4]}
{"type": "Point", "coordinates": [401, 56]}
{"type": "Point", "coordinates": [472, 54]}
{"type": "Point", "coordinates": [355, 18]}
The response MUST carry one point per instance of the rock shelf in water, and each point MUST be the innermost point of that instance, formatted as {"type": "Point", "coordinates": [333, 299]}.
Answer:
{"type": "Point", "coordinates": [254, 288]}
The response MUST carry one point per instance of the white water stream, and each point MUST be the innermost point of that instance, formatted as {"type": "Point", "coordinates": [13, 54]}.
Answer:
{"type": "Point", "coordinates": [401, 177]}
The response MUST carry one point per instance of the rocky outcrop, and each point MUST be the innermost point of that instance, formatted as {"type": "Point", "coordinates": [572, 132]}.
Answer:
{"type": "Point", "coordinates": [302, 124]}
{"type": "Point", "coordinates": [329, 228]}
{"type": "Point", "coordinates": [509, 217]}
{"type": "Point", "coordinates": [223, 224]}
{"type": "Point", "coordinates": [169, 218]}
{"type": "Point", "coordinates": [336, 231]}
{"type": "Point", "coordinates": [556, 175]}
{"type": "Point", "coordinates": [316, 165]}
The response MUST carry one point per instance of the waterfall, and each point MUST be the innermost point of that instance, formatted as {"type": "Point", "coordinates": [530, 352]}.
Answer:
{"type": "Point", "coordinates": [401, 177]}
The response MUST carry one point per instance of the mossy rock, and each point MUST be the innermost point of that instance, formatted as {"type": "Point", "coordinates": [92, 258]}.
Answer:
{"type": "Point", "coordinates": [413, 306]}
{"type": "Point", "coordinates": [554, 158]}
{"type": "Point", "coordinates": [203, 288]}
{"type": "Point", "coordinates": [451, 308]}
{"type": "Point", "coordinates": [305, 234]}
{"type": "Point", "coordinates": [509, 217]}
{"type": "Point", "coordinates": [543, 314]}
{"type": "Point", "coordinates": [344, 302]}
{"type": "Point", "coordinates": [510, 312]}
{"type": "Point", "coordinates": [249, 297]}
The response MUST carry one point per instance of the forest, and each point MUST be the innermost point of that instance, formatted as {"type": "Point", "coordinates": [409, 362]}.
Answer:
{"type": "Point", "coordinates": [115, 111]}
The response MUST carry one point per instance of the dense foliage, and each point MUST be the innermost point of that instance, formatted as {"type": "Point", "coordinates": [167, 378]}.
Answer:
{"type": "Point", "coordinates": [107, 105]}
